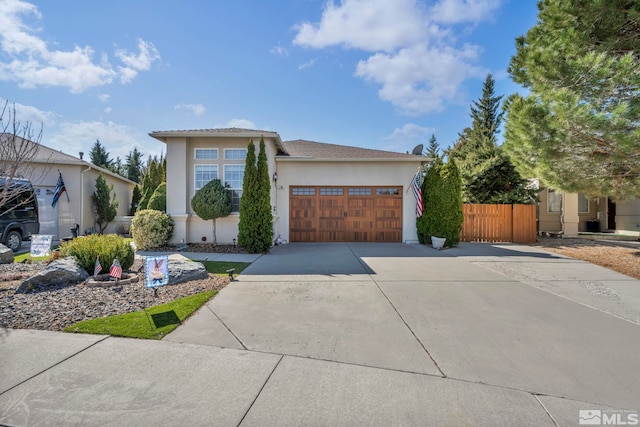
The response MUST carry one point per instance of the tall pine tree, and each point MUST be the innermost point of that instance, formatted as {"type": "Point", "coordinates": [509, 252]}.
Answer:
{"type": "Point", "coordinates": [488, 176]}
{"type": "Point", "coordinates": [99, 156]}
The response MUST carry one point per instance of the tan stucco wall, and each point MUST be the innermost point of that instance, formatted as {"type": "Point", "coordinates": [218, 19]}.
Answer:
{"type": "Point", "coordinates": [76, 206]}
{"type": "Point", "coordinates": [188, 227]}
{"type": "Point", "coordinates": [348, 174]}
{"type": "Point", "coordinates": [628, 217]}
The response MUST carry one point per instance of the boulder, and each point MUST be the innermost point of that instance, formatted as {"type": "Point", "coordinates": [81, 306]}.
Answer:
{"type": "Point", "coordinates": [184, 271]}
{"type": "Point", "coordinates": [6, 255]}
{"type": "Point", "coordinates": [65, 271]}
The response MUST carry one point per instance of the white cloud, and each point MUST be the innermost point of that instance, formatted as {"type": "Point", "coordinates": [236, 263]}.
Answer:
{"type": "Point", "coordinates": [306, 64]}
{"type": "Point", "coordinates": [25, 114]}
{"type": "Point", "coordinates": [108, 110]}
{"type": "Point", "coordinates": [456, 11]}
{"type": "Point", "coordinates": [104, 97]}
{"type": "Point", "coordinates": [369, 25]}
{"type": "Point", "coordinates": [416, 61]}
{"type": "Point", "coordinates": [32, 63]}
{"type": "Point", "coordinates": [420, 79]}
{"type": "Point", "coordinates": [279, 50]}
{"type": "Point", "coordinates": [407, 137]}
{"type": "Point", "coordinates": [195, 109]}
{"type": "Point", "coordinates": [238, 123]}
{"type": "Point", "coordinates": [119, 140]}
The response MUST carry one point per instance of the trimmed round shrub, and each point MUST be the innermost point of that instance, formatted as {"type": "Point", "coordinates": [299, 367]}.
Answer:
{"type": "Point", "coordinates": [105, 247]}
{"type": "Point", "coordinates": [151, 229]}
{"type": "Point", "coordinates": [158, 200]}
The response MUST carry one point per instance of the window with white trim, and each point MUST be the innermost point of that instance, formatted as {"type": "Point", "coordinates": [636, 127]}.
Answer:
{"type": "Point", "coordinates": [206, 153]}
{"type": "Point", "coordinates": [204, 174]}
{"type": "Point", "coordinates": [554, 201]}
{"type": "Point", "coordinates": [235, 153]}
{"type": "Point", "coordinates": [583, 203]}
{"type": "Point", "coordinates": [233, 176]}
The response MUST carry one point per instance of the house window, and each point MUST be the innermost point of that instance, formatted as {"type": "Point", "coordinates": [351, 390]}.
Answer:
{"type": "Point", "coordinates": [233, 176]}
{"type": "Point", "coordinates": [554, 201]}
{"type": "Point", "coordinates": [204, 174]}
{"type": "Point", "coordinates": [235, 154]}
{"type": "Point", "coordinates": [355, 191]}
{"type": "Point", "coordinates": [583, 203]}
{"type": "Point", "coordinates": [303, 191]}
{"type": "Point", "coordinates": [206, 154]}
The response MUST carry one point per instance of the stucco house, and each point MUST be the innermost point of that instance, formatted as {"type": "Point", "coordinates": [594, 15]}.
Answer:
{"type": "Point", "coordinates": [574, 213]}
{"type": "Point", "coordinates": [75, 206]}
{"type": "Point", "coordinates": [319, 192]}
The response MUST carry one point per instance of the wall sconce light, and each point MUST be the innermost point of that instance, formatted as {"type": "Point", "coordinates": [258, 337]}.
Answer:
{"type": "Point", "coordinates": [275, 177]}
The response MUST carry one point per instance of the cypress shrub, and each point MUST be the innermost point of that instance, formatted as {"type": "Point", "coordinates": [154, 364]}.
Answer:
{"type": "Point", "coordinates": [158, 200]}
{"type": "Point", "coordinates": [151, 229]}
{"type": "Point", "coordinates": [212, 201]}
{"type": "Point", "coordinates": [247, 225]}
{"type": "Point", "coordinates": [106, 247]}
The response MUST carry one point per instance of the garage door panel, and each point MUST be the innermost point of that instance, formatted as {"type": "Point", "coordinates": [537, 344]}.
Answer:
{"type": "Point", "coordinates": [345, 214]}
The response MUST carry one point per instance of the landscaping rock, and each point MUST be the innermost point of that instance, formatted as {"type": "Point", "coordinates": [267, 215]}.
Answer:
{"type": "Point", "coordinates": [185, 271]}
{"type": "Point", "coordinates": [6, 255]}
{"type": "Point", "coordinates": [64, 271]}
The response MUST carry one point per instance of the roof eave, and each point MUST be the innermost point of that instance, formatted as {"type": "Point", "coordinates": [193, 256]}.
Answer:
{"type": "Point", "coordinates": [356, 159]}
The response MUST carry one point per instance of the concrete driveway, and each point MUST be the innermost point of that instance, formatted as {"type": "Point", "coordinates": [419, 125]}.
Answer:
{"type": "Point", "coordinates": [361, 334]}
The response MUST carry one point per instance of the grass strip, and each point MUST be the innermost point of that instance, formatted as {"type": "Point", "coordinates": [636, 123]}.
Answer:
{"type": "Point", "coordinates": [152, 323]}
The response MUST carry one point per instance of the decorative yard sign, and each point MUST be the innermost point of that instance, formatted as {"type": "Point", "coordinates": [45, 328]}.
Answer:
{"type": "Point", "coordinates": [157, 271]}
{"type": "Point", "coordinates": [41, 245]}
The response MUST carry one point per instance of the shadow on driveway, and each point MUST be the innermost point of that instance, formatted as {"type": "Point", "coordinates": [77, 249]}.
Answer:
{"type": "Point", "coordinates": [329, 259]}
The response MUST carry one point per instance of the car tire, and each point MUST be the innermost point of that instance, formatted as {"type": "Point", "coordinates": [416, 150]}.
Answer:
{"type": "Point", "coordinates": [13, 241]}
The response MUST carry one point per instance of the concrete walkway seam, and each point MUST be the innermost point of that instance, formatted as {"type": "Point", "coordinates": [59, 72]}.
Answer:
{"type": "Point", "coordinates": [54, 365]}
{"type": "Point", "coordinates": [228, 329]}
{"type": "Point", "coordinates": [545, 410]}
{"type": "Point", "coordinates": [260, 391]}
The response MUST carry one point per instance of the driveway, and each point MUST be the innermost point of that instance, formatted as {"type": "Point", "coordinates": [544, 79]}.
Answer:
{"type": "Point", "coordinates": [505, 315]}
{"type": "Point", "coordinates": [358, 334]}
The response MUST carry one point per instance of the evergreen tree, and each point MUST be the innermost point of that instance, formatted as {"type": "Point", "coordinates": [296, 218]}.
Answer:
{"type": "Point", "coordinates": [431, 200]}
{"type": "Point", "coordinates": [135, 200]}
{"type": "Point", "coordinates": [263, 209]}
{"type": "Point", "coordinates": [99, 156]}
{"type": "Point", "coordinates": [104, 203]}
{"type": "Point", "coordinates": [247, 229]}
{"type": "Point", "coordinates": [212, 201]}
{"type": "Point", "coordinates": [488, 176]}
{"type": "Point", "coordinates": [433, 148]}
{"type": "Point", "coordinates": [578, 129]}
{"type": "Point", "coordinates": [133, 165]}
{"type": "Point", "coordinates": [154, 176]}
{"type": "Point", "coordinates": [158, 200]}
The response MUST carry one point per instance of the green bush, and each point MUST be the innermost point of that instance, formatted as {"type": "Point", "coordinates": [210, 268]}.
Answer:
{"type": "Point", "coordinates": [151, 229]}
{"type": "Point", "coordinates": [105, 247]}
{"type": "Point", "coordinates": [158, 200]}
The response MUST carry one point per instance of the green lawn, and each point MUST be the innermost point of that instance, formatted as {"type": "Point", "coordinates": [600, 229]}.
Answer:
{"type": "Point", "coordinates": [151, 323]}
{"type": "Point", "coordinates": [221, 267]}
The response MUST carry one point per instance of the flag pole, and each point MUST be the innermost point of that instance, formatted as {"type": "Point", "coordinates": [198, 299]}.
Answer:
{"type": "Point", "coordinates": [65, 191]}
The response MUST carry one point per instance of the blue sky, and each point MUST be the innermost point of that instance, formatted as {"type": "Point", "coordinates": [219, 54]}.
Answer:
{"type": "Point", "coordinates": [368, 73]}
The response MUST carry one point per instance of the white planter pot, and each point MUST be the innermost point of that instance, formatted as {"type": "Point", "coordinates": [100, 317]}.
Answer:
{"type": "Point", "coordinates": [437, 242]}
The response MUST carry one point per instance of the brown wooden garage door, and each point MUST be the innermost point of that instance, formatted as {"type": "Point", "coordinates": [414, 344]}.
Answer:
{"type": "Point", "coordinates": [345, 214]}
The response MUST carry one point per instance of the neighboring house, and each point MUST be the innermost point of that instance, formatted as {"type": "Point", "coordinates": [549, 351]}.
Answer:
{"type": "Point", "coordinates": [319, 192]}
{"type": "Point", "coordinates": [574, 213]}
{"type": "Point", "coordinates": [75, 206]}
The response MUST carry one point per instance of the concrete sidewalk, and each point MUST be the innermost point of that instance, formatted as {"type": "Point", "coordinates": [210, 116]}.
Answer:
{"type": "Point", "coordinates": [356, 334]}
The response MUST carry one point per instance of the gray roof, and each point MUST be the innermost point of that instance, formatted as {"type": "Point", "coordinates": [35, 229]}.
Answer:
{"type": "Point", "coordinates": [213, 132]}
{"type": "Point", "coordinates": [301, 148]}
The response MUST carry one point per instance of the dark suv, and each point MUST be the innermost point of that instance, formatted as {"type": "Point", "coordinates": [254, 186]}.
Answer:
{"type": "Point", "coordinates": [19, 212]}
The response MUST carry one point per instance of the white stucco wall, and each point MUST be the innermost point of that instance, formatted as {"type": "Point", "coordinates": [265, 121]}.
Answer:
{"type": "Point", "coordinates": [348, 173]}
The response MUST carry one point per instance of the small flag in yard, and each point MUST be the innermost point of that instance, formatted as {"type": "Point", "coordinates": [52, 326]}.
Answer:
{"type": "Point", "coordinates": [116, 270]}
{"type": "Point", "coordinates": [97, 269]}
{"type": "Point", "coordinates": [417, 191]}
{"type": "Point", "coordinates": [60, 188]}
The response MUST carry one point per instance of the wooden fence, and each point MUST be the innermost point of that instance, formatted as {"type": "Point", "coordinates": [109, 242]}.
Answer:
{"type": "Point", "coordinates": [499, 223]}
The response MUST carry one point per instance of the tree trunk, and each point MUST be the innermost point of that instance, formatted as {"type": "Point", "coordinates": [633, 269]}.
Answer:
{"type": "Point", "coordinates": [215, 240]}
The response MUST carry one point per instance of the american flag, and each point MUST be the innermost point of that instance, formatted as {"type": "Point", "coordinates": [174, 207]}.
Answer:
{"type": "Point", "coordinates": [116, 270]}
{"type": "Point", "coordinates": [417, 192]}
{"type": "Point", "coordinates": [60, 188]}
{"type": "Point", "coordinates": [98, 268]}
